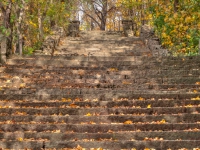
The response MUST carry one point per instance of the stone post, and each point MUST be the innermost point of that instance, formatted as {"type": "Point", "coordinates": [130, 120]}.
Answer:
{"type": "Point", "coordinates": [73, 29]}
{"type": "Point", "coordinates": [128, 27]}
{"type": "Point", "coordinates": [3, 43]}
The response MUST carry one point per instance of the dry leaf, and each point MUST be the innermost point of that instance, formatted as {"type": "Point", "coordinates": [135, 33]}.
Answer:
{"type": "Point", "coordinates": [195, 91]}
{"type": "Point", "coordinates": [20, 139]}
{"type": "Point", "coordinates": [79, 147]}
{"type": "Point", "coordinates": [141, 99]}
{"type": "Point", "coordinates": [22, 85]}
{"type": "Point", "coordinates": [66, 100]}
{"type": "Point", "coordinates": [197, 98]}
{"type": "Point", "coordinates": [8, 81]}
{"type": "Point", "coordinates": [110, 131]}
{"type": "Point", "coordinates": [73, 105]}
{"type": "Point", "coordinates": [163, 121]}
{"type": "Point", "coordinates": [88, 114]}
{"type": "Point", "coordinates": [149, 106]}
{"type": "Point", "coordinates": [128, 122]}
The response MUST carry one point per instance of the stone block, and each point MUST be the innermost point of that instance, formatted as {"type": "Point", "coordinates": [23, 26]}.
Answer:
{"type": "Point", "coordinates": [73, 28]}
{"type": "Point", "coordinates": [128, 27]}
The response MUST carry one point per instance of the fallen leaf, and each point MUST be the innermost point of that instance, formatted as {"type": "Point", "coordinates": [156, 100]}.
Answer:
{"type": "Point", "coordinates": [73, 105]}
{"type": "Point", "coordinates": [66, 100]}
{"type": "Point", "coordinates": [8, 81]}
{"type": "Point", "coordinates": [196, 98]}
{"type": "Point", "coordinates": [149, 106]}
{"type": "Point", "coordinates": [57, 131]}
{"type": "Point", "coordinates": [163, 121]}
{"type": "Point", "coordinates": [141, 99]}
{"type": "Point", "coordinates": [91, 122]}
{"type": "Point", "coordinates": [20, 139]}
{"type": "Point", "coordinates": [128, 122]}
{"type": "Point", "coordinates": [88, 114]}
{"type": "Point", "coordinates": [195, 91]}
{"type": "Point", "coordinates": [79, 147]}
{"type": "Point", "coordinates": [22, 85]}
{"type": "Point", "coordinates": [110, 131]}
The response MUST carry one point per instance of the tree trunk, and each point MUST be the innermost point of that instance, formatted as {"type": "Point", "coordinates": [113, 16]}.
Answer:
{"type": "Point", "coordinates": [40, 20]}
{"type": "Point", "coordinates": [7, 24]}
{"type": "Point", "coordinates": [19, 28]}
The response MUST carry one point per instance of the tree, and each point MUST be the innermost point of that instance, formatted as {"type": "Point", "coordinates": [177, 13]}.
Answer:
{"type": "Point", "coordinates": [6, 8]}
{"type": "Point", "coordinates": [98, 11]}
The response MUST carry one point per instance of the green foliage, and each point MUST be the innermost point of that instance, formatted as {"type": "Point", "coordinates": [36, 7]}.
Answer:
{"type": "Point", "coordinates": [179, 31]}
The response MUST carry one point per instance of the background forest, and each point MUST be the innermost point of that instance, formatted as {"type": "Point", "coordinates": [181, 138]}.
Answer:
{"type": "Point", "coordinates": [25, 23]}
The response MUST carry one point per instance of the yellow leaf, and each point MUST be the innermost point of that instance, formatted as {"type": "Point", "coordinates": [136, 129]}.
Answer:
{"type": "Point", "coordinates": [66, 100]}
{"type": "Point", "coordinates": [88, 114]}
{"type": "Point", "coordinates": [113, 69]}
{"type": "Point", "coordinates": [197, 98]}
{"type": "Point", "coordinates": [146, 138]}
{"type": "Point", "coordinates": [91, 122]}
{"type": "Point", "coordinates": [128, 122]}
{"type": "Point", "coordinates": [8, 81]}
{"type": "Point", "coordinates": [149, 106]}
{"type": "Point", "coordinates": [198, 83]}
{"type": "Point", "coordinates": [79, 147]}
{"type": "Point", "coordinates": [22, 85]}
{"type": "Point", "coordinates": [163, 121]}
{"type": "Point", "coordinates": [141, 99]}
{"type": "Point", "coordinates": [20, 139]}
{"type": "Point", "coordinates": [57, 131]}
{"type": "Point", "coordinates": [195, 91]}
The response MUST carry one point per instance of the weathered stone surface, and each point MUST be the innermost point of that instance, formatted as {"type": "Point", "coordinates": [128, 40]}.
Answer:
{"type": "Point", "coordinates": [123, 96]}
{"type": "Point", "coordinates": [128, 27]}
{"type": "Point", "coordinates": [73, 28]}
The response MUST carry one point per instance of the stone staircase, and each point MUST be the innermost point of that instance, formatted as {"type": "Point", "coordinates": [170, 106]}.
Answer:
{"type": "Point", "coordinates": [100, 91]}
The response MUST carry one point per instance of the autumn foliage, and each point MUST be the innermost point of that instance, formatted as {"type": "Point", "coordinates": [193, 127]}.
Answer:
{"type": "Point", "coordinates": [176, 22]}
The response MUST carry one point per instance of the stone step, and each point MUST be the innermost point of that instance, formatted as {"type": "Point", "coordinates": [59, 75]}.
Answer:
{"type": "Point", "coordinates": [23, 118]}
{"type": "Point", "coordinates": [101, 89]}
{"type": "Point", "coordinates": [95, 128]}
{"type": "Point", "coordinates": [108, 145]}
{"type": "Point", "coordinates": [165, 60]}
{"type": "Point", "coordinates": [151, 104]}
{"type": "Point", "coordinates": [16, 88]}
{"type": "Point", "coordinates": [134, 64]}
{"type": "Point", "coordinates": [124, 135]}
{"type": "Point", "coordinates": [50, 109]}
{"type": "Point", "coordinates": [100, 94]}
{"type": "Point", "coordinates": [99, 65]}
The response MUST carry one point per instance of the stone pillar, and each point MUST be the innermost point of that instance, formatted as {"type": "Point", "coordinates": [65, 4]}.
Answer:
{"type": "Point", "coordinates": [128, 27]}
{"type": "Point", "coordinates": [3, 42]}
{"type": "Point", "coordinates": [73, 29]}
